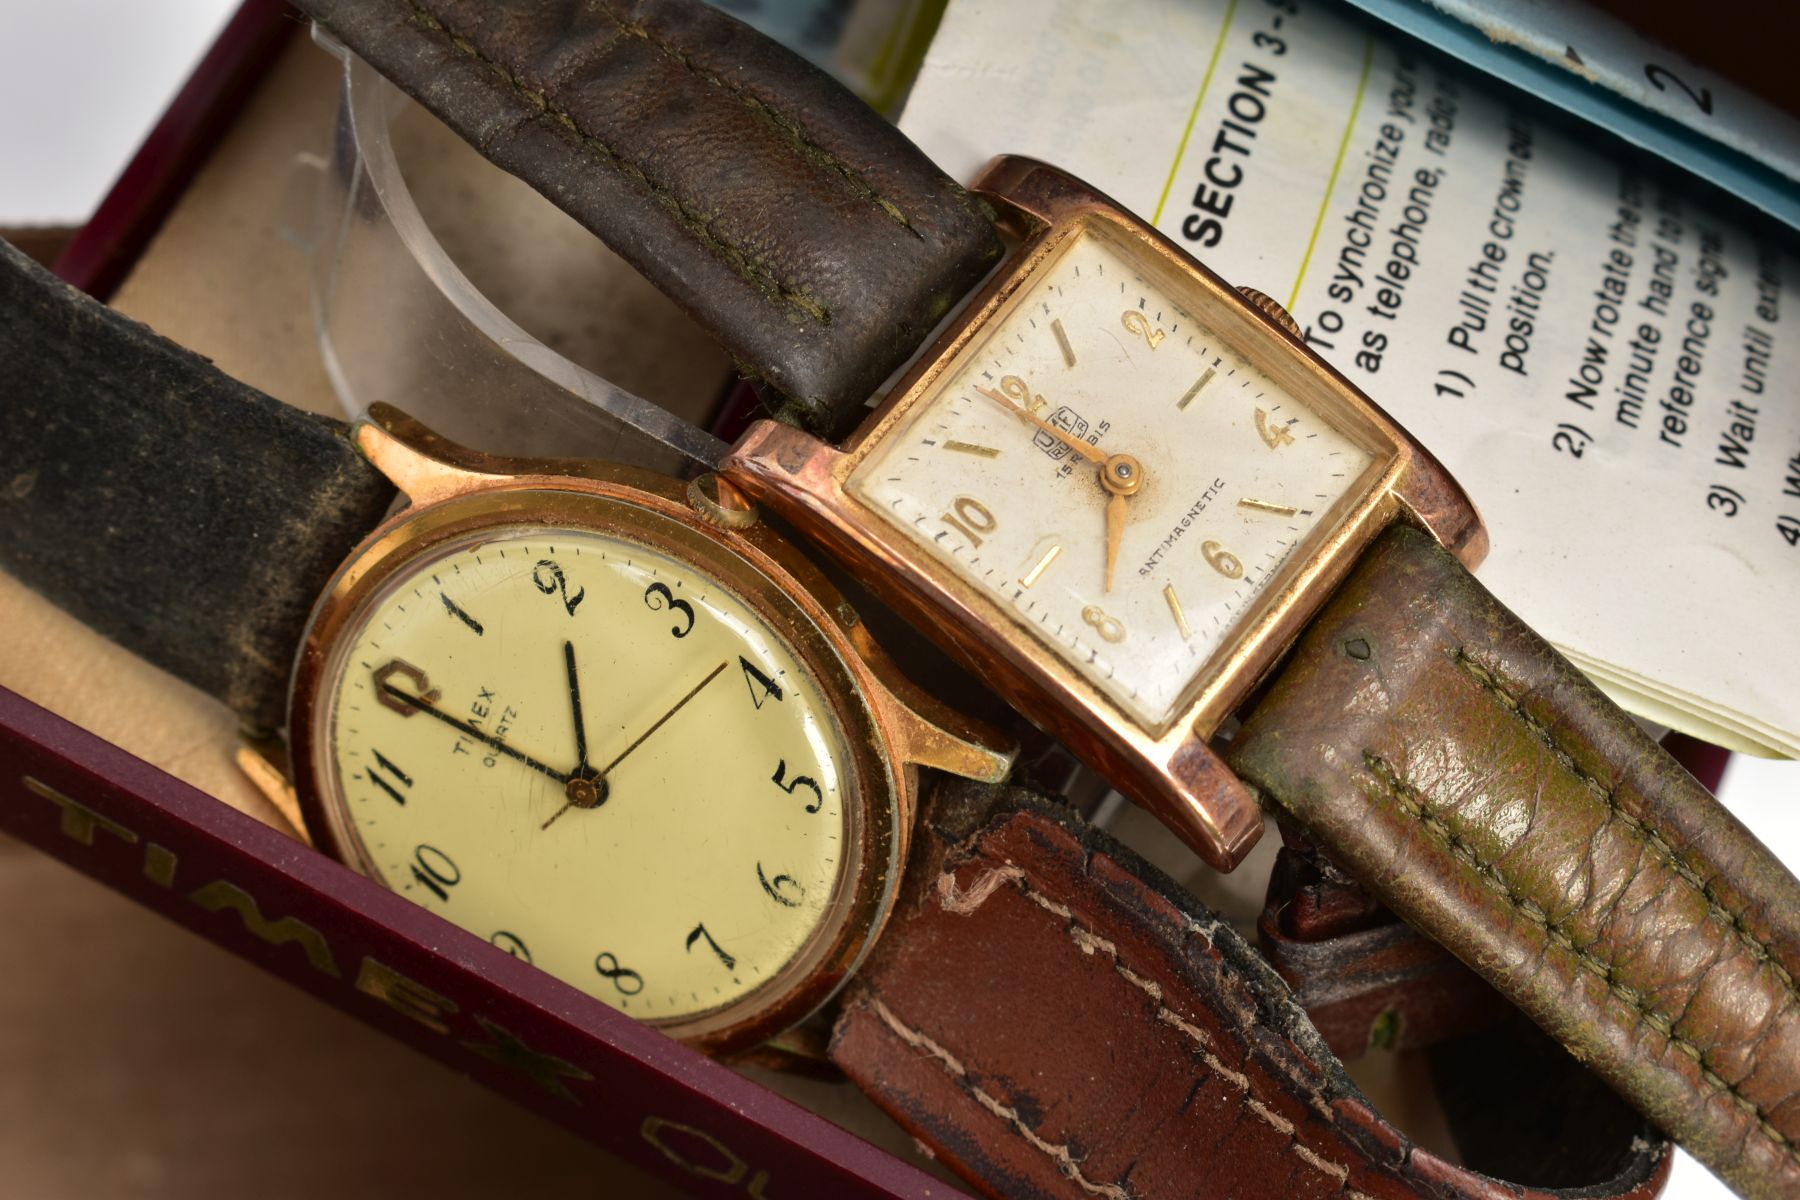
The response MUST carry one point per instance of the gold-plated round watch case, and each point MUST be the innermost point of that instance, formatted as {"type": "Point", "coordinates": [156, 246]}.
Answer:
{"type": "Point", "coordinates": [756, 567]}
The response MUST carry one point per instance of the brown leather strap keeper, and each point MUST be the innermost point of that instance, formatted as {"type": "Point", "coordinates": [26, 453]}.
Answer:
{"type": "Point", "coordinates": [1372, 982]}
{"type": "Point", "coordinates": [1054, 1018]}
{"type": "Point", "coordinates": [1474, 782]}
{"type": "Point", "coordinates": [804, 231]}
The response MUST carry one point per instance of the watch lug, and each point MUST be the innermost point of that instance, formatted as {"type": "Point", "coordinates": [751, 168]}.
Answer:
{"type": "Point", "coordinates": [929, 733]}
{"type": "Point", "coordinates": [265, 762]}
{"type": "Point", "coordinates": [771, 455]}
{"type": "Point", "coordinates": [423, 465]}
{"type": "Point", "coordinates": [1208, 806]}
{"type": "Point", "coordinates": [1438, 504]}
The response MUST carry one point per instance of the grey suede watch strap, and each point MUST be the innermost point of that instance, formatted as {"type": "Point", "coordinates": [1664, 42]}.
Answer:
{"type": "Point", "coordinates": [815, 241]}
{"type": "Point", "coordinates": [183, 514]}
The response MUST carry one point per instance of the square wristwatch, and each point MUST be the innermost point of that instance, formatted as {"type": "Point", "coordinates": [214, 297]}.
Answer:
{"type": "Point", "coordinates": [1118, 486]}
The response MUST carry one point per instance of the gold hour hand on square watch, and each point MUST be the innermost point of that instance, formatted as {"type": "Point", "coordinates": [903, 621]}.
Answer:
{"type": "Point", "coordinates": [1423, 737]}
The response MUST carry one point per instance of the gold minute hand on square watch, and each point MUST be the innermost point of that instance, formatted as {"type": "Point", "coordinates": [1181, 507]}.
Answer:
{"type": "Point", "coordinates": [788, 221]}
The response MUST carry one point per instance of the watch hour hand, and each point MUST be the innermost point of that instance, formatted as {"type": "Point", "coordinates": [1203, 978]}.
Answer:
{"type": "Point", "coordinates": [1088, 451]}
{"type": "Point", "coordinates": [1121, 475]}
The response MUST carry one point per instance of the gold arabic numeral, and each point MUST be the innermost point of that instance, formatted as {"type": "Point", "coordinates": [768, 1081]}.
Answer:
{"type": "Point", "coordinates": [1275, 435]}
{"type": "Point", "coordinates": [1109, 627]}
{"type": "Point", "coordinates": [627, 981]}
{"type": "Point", "coordinates": [1221, 560]}
{"type": "Point", "coordinates": [1020, 392]}
{"type": "Point", "coordinates": [1135, 322]}
{"type": "Point", "coordinates": [972, 519]}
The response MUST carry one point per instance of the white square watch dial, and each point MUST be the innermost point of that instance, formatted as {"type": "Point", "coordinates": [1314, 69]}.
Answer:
{"type": "Point", "coordinates": [1121, 482]}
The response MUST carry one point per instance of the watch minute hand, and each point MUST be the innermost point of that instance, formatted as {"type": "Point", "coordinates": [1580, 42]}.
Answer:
{"type": "Point", "coordinates": [464, 727]}
{"type": "Point", "coordinates": [1088, 451]}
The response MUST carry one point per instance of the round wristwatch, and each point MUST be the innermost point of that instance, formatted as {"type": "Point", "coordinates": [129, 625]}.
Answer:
{"type": "Point", "coordinates": [614, 726]}
{"type": "Point", "coordinates": [1132, 498]}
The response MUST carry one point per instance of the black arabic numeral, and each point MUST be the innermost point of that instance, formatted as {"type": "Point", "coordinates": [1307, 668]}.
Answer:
{"type": "Point", "coordinates": [754, 678]}
{"type": "Point", "coordinates": [1656, 74]}
{"type": "Point", "coordinates": [778, 888]}
{"type": "Point", "coordinates": [626, 980]}
{"type": "Point", "coordinates": [375, 777]}
{"type": "Point", "coordinates": [669, 602]}
{"type": "Point", "coordinates": [799, 781]}
{"type": "Point", "coordinates": [550, 580]}
{"type": "Point", "coordinates": [512, 943]}
{"type": "Point", "coordinates": [456, 610]}
{"type": "Point", "coordinates": [700, 932]}
{"type": "Point", "coordinates": [433, 868]}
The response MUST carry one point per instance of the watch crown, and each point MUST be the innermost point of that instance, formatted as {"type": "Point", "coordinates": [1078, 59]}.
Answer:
{"type": "Point", "coordinates": [1271, 309]}
{"type": "Point", "coordinates": [721, 504]}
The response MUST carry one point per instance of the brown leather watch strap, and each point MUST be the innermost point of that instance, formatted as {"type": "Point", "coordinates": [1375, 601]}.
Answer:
{"type": "Point", "coordinates": [188, 517]}
{"type": "Point", "coordinates": [807, 233]}
{"type": "Point", "coordinates": [1053, 1018]}
{"type": "Point", "coordinates": [1473, 781]}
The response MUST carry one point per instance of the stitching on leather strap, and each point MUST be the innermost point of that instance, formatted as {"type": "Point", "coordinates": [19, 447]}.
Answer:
{"type": "Point", "coordinates": [1413, 803]}
{"type": "Point", "coordinates": [733, 257]}
{"type": "Point", "coordinates": [962, 901]}
{"type": "Point", "coordinates": [1607, 795]}
{"type": "Point", "coordinates": [782, 121]}
{"type": "Point", "coordinates": [1059, 1152]}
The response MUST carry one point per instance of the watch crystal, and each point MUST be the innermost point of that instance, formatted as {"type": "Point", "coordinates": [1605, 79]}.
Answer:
{"type": "Point", "coordinates": [1121, 481]}
{"type": "Point", "coordinates": [597, 757]}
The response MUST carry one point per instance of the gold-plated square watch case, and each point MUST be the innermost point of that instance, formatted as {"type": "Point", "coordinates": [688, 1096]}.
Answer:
{"type": "Point", "coordinates": [1168, 766]}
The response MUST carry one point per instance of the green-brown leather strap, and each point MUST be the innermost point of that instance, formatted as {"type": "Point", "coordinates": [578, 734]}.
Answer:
{"type": "Point", "coordinates": [806, 232]}
{"type": "Point", "coordinates": [1464, 773]}
{"type": "Point", "coordinates": [187, 516]}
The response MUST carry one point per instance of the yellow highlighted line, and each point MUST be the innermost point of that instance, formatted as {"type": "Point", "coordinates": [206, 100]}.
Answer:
{"type": "Point", "coordinates": [1188, 129]}
{"type": "Point", "coordinates": [1331, 184]}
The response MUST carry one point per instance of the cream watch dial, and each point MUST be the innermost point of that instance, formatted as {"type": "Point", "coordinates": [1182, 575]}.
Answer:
{"type": "Point", "coordinates": [597, 758]}
{"type": "Point", "coordinates": [1118, 479]}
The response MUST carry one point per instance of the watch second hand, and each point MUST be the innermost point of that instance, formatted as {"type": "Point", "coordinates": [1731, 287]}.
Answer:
{"type": "Point", "coordinates": [1087, 450]}
{"type": "Point", "coordinates": [484, 738]}
{"type": "Point", "coordinates": [642, 737]}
